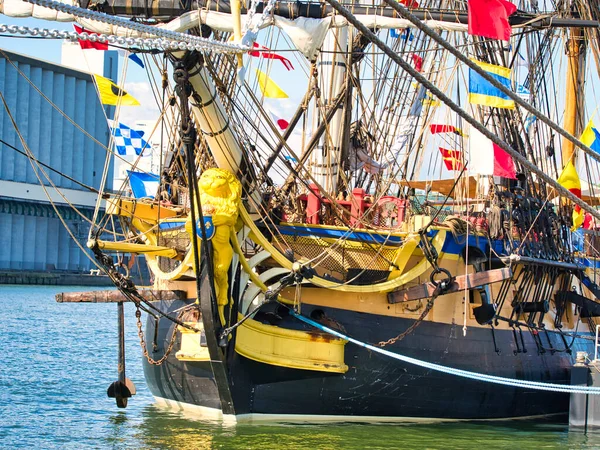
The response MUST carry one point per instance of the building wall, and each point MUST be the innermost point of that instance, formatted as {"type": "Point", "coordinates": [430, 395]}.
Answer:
{"type": "Point", "coordinates": [32, 237]}
{"type": "Point", "coordinates": [51, 137]}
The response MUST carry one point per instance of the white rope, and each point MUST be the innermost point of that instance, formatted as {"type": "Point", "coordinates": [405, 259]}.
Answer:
{"type": "Point", "coordinates": [571, 389]}
{"type": "Point", "coordinates": [184, 41]}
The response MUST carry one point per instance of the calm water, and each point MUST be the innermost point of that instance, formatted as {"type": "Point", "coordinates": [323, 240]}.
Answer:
{"type": "Point", "coordinates": [58, 360]}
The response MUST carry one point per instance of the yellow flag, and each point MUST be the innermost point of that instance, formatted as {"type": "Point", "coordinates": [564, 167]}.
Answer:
{"type": "Point", "coordinates": [588, 136]}
{"type": "Point", "coordinates": [111, 94]}
{"type": "Point", "coordinates": [268, 87]}
{"type": "Point", "coordinates": [578, 217]}
{"type": "Point", "coordinates": [569, 179]}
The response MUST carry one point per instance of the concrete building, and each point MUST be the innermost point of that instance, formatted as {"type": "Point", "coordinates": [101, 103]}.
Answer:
{"type": "Point", "coordinates": [45, 101]}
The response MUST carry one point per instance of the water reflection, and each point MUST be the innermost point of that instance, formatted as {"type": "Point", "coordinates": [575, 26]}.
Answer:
{"type": "Point", "coordinates": [163, 429]}
{"type": "Point", "coordinates": [160, 428]}
{"type": "Point", "coordinates": [53, 395]}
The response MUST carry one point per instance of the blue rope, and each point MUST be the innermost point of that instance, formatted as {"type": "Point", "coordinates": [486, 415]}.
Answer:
{"type": "Point", "coordinates": [451, 371]}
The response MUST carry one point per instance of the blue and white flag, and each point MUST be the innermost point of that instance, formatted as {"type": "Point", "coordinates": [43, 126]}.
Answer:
{"type": "Point", "coordinates": [529, 121]}
{"type": "Point", "coordinates": [132, 56]}
{"type": "Point", "coordinates": [128, 141]}
{"type": "Point", "coordinates": [143, 185]}
{"type": "Point", "coordinates": [523, 92]}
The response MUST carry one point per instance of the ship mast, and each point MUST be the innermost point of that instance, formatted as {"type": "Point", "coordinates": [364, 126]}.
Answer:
{"type": "Point", "coordinates": [575, 49]}
{"type": "Point", "coordinates": [326, 161]}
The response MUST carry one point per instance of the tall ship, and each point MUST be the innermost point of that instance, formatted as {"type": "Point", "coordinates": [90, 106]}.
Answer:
{"type": "Point", "coordinates": [369, 211]}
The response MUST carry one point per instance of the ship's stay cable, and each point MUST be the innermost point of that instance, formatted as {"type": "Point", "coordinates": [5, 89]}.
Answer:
{"type": "Point", "coordinates": [461, 112]}
{"type": "Point", "coordinates": [525, 384]}
{"type": "Point", "coordinates": [107, 159]}
{"type": "Point", "coordinates": [58, 172]}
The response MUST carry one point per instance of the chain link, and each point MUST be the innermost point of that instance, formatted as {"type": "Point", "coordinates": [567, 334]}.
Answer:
{"type": "Point", "coordinates": [183, 40]}
{"type": "Point", "coordinates": [417, 322]}
{"type": "Point", "coordinates": [122, 41]}
{"type": "Point", "coordinates": [138, 316]}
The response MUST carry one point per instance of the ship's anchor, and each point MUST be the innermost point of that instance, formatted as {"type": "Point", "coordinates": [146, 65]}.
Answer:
{"type": "Point", "coordinates": [123, 388]}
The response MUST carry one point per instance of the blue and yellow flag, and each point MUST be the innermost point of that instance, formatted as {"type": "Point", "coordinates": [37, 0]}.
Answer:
{"type": "Point", "coordinates": [481, 92]}
{"type": "Point", "coordinates": [591, 137]}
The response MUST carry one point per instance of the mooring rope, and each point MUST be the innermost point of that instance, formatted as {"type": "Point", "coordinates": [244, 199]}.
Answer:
{"type": "Point", "coordinates": [452, 371]}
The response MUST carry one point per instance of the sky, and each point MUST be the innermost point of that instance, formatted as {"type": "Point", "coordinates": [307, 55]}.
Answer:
{"type": "Point", "coordinates": [136, 81]}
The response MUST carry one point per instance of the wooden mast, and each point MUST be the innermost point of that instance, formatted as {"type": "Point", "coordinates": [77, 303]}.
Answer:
{"type": "Point", "coordinates": [574, 100]}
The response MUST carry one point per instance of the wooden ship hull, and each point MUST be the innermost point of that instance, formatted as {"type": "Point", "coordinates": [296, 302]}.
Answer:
{"type": "Point", "coordinates": [375, 388]}
{"type": "Point", "coordinates": [277, 368]}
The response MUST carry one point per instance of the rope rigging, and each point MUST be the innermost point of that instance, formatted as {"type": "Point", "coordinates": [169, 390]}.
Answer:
{"type": "Point", "coordinates": [460, 111]}
{"type": "Point", "coordinates": [525, 384]}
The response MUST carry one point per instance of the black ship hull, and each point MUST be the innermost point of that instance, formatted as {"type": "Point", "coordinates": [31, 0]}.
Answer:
{"type": "Point", "coordinates": [379, 388]}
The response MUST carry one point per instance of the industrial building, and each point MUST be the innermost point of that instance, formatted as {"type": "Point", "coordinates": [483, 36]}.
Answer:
{"type": "Point", "coordinates": [46, 100]}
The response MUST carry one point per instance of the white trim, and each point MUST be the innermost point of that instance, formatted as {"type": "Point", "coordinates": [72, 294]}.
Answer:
{"type": "Point", "coordinates": [213, 414]}
{"type": "Point", "coordinates": [35, 192]}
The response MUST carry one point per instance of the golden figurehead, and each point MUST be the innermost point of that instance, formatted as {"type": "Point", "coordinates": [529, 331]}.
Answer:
{"type": "Point", "coordinates": [220, 194]}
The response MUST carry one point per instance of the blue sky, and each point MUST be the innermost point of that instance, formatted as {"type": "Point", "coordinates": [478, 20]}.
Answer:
{"type": "Point", "coordinates": [46, 49]}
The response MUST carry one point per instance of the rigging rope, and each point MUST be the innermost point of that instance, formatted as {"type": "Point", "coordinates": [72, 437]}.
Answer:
{"type": "Point", "coordinates": [537, 385]}
{"type": "Point", "coordinates": [404, 12]}
{"type": "Point", "coordinates": [460, 111]}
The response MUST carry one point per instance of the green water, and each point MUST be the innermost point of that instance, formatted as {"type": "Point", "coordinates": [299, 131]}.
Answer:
{"type": "Point", "coordinates": [58, 360]}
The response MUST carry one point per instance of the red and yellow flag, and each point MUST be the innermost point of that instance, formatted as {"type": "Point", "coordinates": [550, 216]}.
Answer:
{"type": "Point", "coordinates": [452, 158]}
{"type": "Point", "coordinates": [569, 179]}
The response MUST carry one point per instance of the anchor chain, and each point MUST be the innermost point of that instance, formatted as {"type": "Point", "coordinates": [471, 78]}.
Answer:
{"type": "Point", "coordinates": [128, 289]}
{"type": "Point", "coordinates": [138, 316]}
{"type": "Point", "coordinates": [441, 286]}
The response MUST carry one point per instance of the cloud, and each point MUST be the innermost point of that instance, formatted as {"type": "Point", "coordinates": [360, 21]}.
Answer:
{"type": "Point", "coordinates": [148, 109]}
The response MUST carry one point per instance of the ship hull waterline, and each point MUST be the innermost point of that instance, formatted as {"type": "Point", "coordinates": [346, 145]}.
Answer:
{"type": "Point", "coordinates": [376, 388]}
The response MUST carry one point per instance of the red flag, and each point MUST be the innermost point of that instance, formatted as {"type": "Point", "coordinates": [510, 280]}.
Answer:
{"type": "Point", "coordinates": [489, 18]}
{"type": "Point", "coordinates": [417, 62]}
{"type": "Point", "coordinates": [89, 44]}
{"type": "Point", "coordinates": [452, 159]}
{"type": "Point", "coordinates": [504, 166]}
{"type": "Point", "coordinates": [436, 128]}
{"type": "Point", "coordinates": [409, 3]}
{"type": "Point", "coordinates": [269, 55]}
